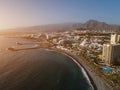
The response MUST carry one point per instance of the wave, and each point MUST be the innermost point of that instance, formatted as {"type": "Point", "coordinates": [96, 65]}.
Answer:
{"type": "Point", "coordinates": [83, 70]}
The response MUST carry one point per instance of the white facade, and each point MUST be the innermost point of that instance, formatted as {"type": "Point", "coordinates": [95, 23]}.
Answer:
{"type": "Point", "coordinates": [115, 38]}
{"type": "Point", "coordinates": [106, 53]}
{"type": "Point", "coordinates": [111, 52]}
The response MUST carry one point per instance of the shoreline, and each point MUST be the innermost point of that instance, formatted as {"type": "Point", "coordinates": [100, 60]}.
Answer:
{"type": "Point", "coordinates": [84, 72]}
{"type": "Point", "coordinates": [75, 60]}
{"type": "Point", "coordinates": [97, 82]}
{"type": "Point", "coordinates": [88, 77]}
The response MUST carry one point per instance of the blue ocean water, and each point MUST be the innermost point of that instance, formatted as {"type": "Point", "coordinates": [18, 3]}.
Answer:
{"type": "Point", "coordinates": [40, 69]}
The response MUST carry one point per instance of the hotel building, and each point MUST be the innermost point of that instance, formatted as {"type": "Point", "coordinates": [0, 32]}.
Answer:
{"type": "Point", "coordinates": [111, 52]}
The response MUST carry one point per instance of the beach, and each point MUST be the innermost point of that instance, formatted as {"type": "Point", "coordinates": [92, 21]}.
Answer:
{"type": "Point", "coordinates": [98, 82]}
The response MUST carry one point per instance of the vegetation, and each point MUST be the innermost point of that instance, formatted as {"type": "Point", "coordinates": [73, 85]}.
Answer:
{"type": "Point", "coordinates": [115, 78]}
{"type": "Point", "coordinates": [111, 79]}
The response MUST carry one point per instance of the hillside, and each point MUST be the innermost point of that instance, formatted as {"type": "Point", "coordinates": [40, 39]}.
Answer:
{"type": "Point", "coordinates": [96, 25]}
{"type": "Point", "coordinates": [89, 25]}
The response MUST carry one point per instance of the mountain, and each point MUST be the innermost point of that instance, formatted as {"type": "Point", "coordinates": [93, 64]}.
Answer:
{"type": "Point", "coordinates": [89, 25]}
{"type": "Point", "coordinates": [48, 28]}
{"type": "Point", "coordinates": [55, 27]}
{"type": "Point", "coordinates": [96, 25]}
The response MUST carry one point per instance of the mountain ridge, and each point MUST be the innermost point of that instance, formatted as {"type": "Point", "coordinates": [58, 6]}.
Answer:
{"type": "Point", "coordinates": [89, 25]}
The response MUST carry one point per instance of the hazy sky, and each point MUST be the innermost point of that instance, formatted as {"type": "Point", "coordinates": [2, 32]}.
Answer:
{"type": "Point", "coordinates": [18, 13]}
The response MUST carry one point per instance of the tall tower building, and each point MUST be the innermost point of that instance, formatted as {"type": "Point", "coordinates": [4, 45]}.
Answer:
{"type": "Point", "coordinates": [111, 52]}
{"type": "Point", "coordinates": [115, 38]}
{"type": "Point", "coordinates": [106, 53]}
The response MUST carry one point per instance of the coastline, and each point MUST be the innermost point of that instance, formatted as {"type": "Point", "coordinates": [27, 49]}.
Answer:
{"type": "Point", "coordinates": [79, 65]}
{"type": "Point", "coordinates": [28, 66]}
{"type": "Point", "coordinates": [94, 87]}
{"type": "Point", "coordinates": [97, 82]}
{"type": "Point", "coordinates": [84, 72]}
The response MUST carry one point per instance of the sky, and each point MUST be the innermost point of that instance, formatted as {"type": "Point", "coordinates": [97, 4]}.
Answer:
{"type": "Point", "coordinates": [22, 13]}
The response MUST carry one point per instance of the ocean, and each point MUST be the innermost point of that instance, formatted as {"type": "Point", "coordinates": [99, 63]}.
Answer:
{"type": "Point", "coordinates": [39, 69]}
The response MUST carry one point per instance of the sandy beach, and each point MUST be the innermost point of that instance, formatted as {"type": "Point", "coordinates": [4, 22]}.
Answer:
{"type": "Point", "coordinates": [98, 81]}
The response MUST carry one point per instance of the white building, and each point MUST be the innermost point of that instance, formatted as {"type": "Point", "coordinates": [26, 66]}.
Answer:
{"type": "Point", "coordinates": [111, 52]}
{"type": "Point", "coordinates": [115, 38]}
